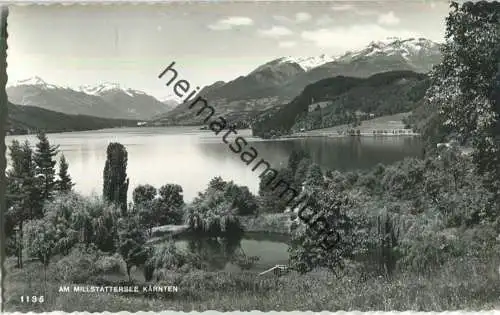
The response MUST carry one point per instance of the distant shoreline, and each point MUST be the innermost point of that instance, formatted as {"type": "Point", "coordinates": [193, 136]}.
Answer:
{"type": "Point", "coordinates": [333, 135]}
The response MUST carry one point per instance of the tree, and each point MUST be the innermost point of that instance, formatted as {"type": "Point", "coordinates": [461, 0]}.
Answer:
{"type": "Point", "coordinates": [169, 204]}
{"type": "Point", "coordinates": [131, 244]}
{"type": "Point", "coordinates": [301, 171]}
{"type": "Point", "coordinates": [217, 183]}
{"type": "Point", "coordinates": [388, 241]}
{"type": "Point", "coordinates": [23, 191]}
{"type": "Point", "coordinates": [165, 256]}
{"type": "Point", "coordinates": [3, 121]}
{"type": "Point", "coordinates": [87, 220]}
{"type": "Point", "coordinates": [143, 194]}
{"type": "Point", "coordinates": [239, 198]}
{"type": "Point", "coordinates": [146, 206]}
{"type": "Point", "coordinates": [212, 215]}
{"type": "Point", "coordinates": [242, 199]}
{"type": "Point", "coordinates": [64, 183]}
{"type": "Point", "coordinates": [314, 175]}
{"type": "Point", "coordinates": [325, 236]}
{"type": "Point", "coordinates": [41, 241]}
{"type": "Point", "coordinates": [276, 194]}
{"type": "Point", "coordinates": [295, 157]}
{"type": "Point", "coordinates": [45, 164]}
{"type": "Point", "coordinates": [115, 181]}
{"type": "Point", "coordinates": [466, 85]}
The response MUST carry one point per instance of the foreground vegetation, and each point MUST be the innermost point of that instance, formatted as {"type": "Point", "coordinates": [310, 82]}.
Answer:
{"type": "Point", "coordinates": [468, 284]}
{"type": "Point", "coordinates": [421, 234]}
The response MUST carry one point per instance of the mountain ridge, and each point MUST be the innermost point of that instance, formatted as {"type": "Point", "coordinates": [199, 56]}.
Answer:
{"type": "Point", "coordinates": [106, 100]}
{"type": "Point", "coordinates": [280, 80]}
{"type": "Point", "coordinates": [271, 84]}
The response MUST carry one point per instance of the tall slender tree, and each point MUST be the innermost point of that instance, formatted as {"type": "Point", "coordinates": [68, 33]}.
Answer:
{"type": "Point", "coordinates": [115, 181]}
{"type": "Point", "coordinates": [3, 122]}
{"type": "Point", "coordinates": [45, 162]}
{"type": "Point", "coordinates": [64, 183]}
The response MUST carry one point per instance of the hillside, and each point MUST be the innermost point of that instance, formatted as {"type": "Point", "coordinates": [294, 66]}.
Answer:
{"type": "Point", "coordinates": [342, 100]}
{"type": "Point", "coordinates": [28, 119]}
{"type": "Point", "coordinates": [277, 82]}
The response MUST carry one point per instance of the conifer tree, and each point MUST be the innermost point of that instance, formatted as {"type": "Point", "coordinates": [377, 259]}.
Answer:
{"type": "Point", "coordinates": [23, 191]}
{"type": "Point", "coordinates": [45, 164]}
{"type": "Point", "coordinates": [64, 183]}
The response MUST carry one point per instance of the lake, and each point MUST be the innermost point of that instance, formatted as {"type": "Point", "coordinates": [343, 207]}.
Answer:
{"type": "Point", "coordinates": [191, 157]}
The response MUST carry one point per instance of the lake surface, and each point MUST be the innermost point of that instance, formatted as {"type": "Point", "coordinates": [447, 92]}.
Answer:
{"type": "Point", "coordinates": [270, 249]}
{"type": "Point", "coordinates": [191, 157]}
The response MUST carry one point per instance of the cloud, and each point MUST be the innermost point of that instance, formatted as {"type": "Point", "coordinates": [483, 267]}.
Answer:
{"type": "Point", "coordinates": [299, 17]}
{"type": "Point", "coordinates": [352, 37]}
{"type": "Point", "coordinates": [302, 17]}
{"type": "Point", "coordinates": [276, 31]}
{"type": "Point", "coordinates": [287, 44]}
{"type": "Point", "coordinates": [388, 19]}
{"type": "Point", "coordinates": [229, 22]}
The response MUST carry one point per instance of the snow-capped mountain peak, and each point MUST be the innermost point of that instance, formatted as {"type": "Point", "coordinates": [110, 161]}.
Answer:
{"type": "Point", "coordinates": [393, 46]}
{"type": "Point", "coordinates": [36, 81]}
{"type": "Point", "coordinates": [100, 88]}
{"type": "Point", "coordinates": [32, 81]}
{"type": "Point", "coordinates": [307, 63]}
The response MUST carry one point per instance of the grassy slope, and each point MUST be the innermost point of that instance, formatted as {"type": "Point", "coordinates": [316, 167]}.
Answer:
{"type": "Point", "coordinates": [29, 118]}
{"type": "Point", "coordinates": [459, 285]}
{"type": "Point", "coordinates": [389, 122]}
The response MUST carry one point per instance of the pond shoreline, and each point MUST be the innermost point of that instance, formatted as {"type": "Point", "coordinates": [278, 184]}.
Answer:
{"type": "Point", "coordinates": [272, 224]}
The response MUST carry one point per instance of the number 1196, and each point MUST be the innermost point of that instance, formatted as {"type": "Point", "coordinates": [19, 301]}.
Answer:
{"type": "Point", "coordinates": [32, 299]}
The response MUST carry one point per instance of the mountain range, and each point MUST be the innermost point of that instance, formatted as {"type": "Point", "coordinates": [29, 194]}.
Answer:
{"type": "Point", "coordinates": [271, 85]}
{"type": "Point", "coordinates": [279, 81]}
{"type": "Point", "coordinates": [105, 100]}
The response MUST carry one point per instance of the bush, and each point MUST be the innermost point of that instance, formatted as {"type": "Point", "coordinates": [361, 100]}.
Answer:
{"type": "Point", "coordinates": [78, 266]}
{"type": "Point", "coordinates": [110, 264]}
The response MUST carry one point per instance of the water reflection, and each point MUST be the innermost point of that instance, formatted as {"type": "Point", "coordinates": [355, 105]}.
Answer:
{"type": "Point", "coordinates": [255, 251]}
{"type": "Point", "coordinates": [191, 158]}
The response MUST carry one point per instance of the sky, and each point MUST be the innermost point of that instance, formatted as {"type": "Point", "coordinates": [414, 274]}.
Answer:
{"type": "Point", "coordinates": [75, 45]}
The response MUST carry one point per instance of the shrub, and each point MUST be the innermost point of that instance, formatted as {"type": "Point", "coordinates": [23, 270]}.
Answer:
{"type": "Point", "coordinates": [110, 264]}
{"type": "Point", "coordinates": [78, 266]}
